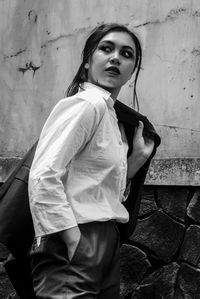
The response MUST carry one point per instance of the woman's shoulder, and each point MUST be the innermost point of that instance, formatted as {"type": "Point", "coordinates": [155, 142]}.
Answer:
{"type": "Point", "coordinates": [93, 97]}
{"type": "Point", "coordinates": [88, 99]}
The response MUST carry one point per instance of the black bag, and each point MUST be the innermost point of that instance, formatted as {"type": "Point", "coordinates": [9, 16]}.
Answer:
{"type": "Point", "coordinates": [16, 227]}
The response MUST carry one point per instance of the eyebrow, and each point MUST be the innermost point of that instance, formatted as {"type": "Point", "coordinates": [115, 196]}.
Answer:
{"type": "Point", "coordinates": [112, 43]}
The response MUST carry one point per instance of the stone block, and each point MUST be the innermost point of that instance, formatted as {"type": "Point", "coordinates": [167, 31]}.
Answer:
{"type": "Point", "coordinates": [148, 203]}
{"type": "Point", "coordinates": [193, 209]}
{"type": "Point", "coordinates": [160, 284]}
{"type": "Point", "coordinates": [190, 249]}
{"type": "Point", "coordinates": [173, 200]}
{"type": "Point", "coordinates": [6, 289]}
{"type": "Point", "coordinates": [160, 234]}
{"type": "Point", "coordinates": [2, 269]}
{"type": "Point", "coordinates": [3, 252]}
{"type": "Point", "coordinates": [133, 265]}
{"type": "Point", "coordinates": [188, 282]}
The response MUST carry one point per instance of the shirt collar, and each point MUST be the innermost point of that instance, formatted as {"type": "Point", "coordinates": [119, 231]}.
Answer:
{"type": "Point", "coordinates": [104, 93]}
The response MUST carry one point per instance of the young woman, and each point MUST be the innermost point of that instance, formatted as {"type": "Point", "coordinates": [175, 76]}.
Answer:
{"type": "Point", "coordinates": [78, 178]}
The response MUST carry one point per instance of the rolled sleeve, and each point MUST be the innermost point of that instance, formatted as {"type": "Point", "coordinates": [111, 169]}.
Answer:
{"type": "Point", "coordinates": [67, 130]}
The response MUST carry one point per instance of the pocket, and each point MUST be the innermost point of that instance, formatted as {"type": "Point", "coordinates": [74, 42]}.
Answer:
{"type": "Point", "coordinates": [117, 231]}
{"type": "Point", "coordinates": [117, 228]}
{"type": "Point", "coordinates": [78, 251]}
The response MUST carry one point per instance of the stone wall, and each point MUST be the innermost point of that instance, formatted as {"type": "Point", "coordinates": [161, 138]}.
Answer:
{"type": "Point", "coordinates": [162, 258]}
{"type": "Point", "coordinates": [6, 289]}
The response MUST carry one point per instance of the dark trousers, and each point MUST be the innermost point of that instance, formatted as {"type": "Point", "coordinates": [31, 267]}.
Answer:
{"type": "Point", "coordinates": [93, 271]}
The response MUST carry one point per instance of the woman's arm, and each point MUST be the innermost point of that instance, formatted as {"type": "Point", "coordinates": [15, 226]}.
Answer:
{"type": "Point", "coordinates": [71, 238]}
{"type": "Point", "coordinates": [142, 149]}
{"type": "Point", "coordinates": [65, 133]}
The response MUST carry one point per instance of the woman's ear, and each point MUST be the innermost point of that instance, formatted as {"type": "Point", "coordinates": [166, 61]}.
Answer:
{"type": "Point", "coordinates": [86, 66]}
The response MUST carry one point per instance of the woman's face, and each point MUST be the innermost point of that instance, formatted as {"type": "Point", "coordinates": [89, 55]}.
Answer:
{"type": "Point", "coordinates": [113, 62]}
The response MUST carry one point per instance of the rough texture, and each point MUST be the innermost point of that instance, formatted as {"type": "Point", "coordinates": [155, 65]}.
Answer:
{"type": "Point", "coordinates": [193, 209]}
{"type": "Point", "coordinates": [6, 289]}
{"type": "Point", "coordinates": [159, 284]}
{"type": "Point", "coordinates": [188, 282]}
{"type": "Point", "coordinates": [173, 201]}
{"type": "Point", "coordinates": [157, 230]}
{"type": "Point", "coordinates": [148, 204]}
{"type": "Point", "coordinates": [168, 243]}
{"type": "Point", "coordinates": [134, 265]}
{"type": "Point", "coordinates": [190, 252]}
{"type": "Point", "coordinates": [175, 171]}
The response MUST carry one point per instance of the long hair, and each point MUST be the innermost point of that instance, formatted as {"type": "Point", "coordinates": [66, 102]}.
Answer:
{"type": "Point", "coordinates": [90, 46]}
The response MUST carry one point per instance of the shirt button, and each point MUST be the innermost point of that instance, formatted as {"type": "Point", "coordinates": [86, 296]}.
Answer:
{"type": "Point", "coordinates": [120, 143]}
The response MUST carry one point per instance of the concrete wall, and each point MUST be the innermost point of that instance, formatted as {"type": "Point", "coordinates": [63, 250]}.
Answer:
{"type": "Point", "coordinates": [40, 47]}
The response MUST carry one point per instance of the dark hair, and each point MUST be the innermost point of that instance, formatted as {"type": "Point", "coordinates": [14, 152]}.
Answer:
{"type": "Point", "coordinates": [90, 46]}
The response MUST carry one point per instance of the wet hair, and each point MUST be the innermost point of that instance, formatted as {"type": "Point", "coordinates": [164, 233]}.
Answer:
{"type": "Point", "coordinates": [90, 46]}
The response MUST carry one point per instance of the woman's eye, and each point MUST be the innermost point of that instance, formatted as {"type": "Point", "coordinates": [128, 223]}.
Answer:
{"type": "Point", "coordinates": [127, 54]}
{"type": "Point", "coordinates": [105, 49]}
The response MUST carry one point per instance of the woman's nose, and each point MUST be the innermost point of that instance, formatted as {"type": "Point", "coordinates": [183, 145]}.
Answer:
{"type": "Point", "coordinates": [115, 58]}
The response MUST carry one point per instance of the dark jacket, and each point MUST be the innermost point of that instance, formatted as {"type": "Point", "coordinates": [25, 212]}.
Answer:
{"type": "Point", "coordinates": [130, 119]}
{"type": "Point", "coordinates": [16, 227]}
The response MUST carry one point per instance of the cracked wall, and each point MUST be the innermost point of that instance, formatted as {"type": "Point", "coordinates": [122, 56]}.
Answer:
{"type": "Point", "coordinates": [40, 47]}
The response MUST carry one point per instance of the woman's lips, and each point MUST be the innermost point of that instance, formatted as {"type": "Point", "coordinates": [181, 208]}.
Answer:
{"type": "Point", "coordinates": [113, 70]}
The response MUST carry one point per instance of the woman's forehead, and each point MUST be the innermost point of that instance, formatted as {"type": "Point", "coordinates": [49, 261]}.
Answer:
{"type": "Point", "coordinates": [119, 38]}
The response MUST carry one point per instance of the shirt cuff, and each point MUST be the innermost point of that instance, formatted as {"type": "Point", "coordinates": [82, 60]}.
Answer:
{"type": "Point", "coordinates": [51, 221]}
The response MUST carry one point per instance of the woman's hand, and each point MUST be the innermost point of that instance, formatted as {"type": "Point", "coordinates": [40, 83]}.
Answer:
{"type": "Point", "coordinates": [71, 237]}
{"type": "Point", "coordinates": [142, 149]}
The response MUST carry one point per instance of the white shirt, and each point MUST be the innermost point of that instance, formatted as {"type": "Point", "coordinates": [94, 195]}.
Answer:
{"type": "Point", "coordinates": [78, 174]}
